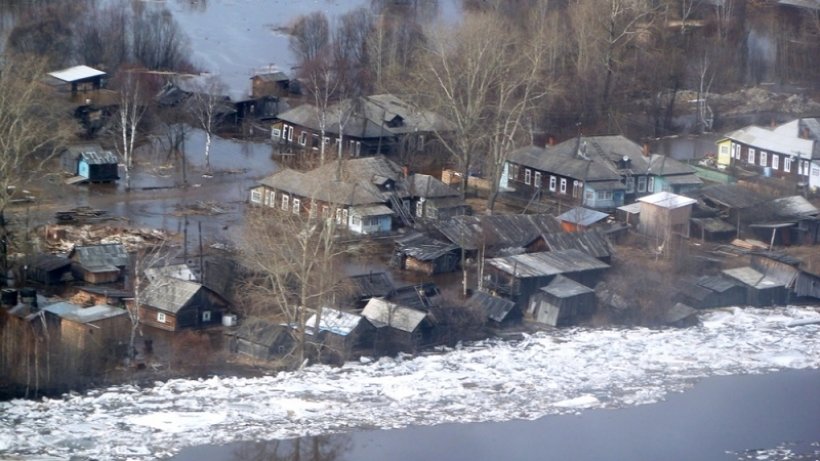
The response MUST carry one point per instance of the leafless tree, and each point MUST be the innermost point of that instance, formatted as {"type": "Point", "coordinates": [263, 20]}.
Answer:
{"type": "Point", "coordinates": [129, 115]}
{"type": "Point", "coordinates": [208, 102]}
{"type": "Point", "coordinates": [144, 258]}
{"type": "Point", "coordinates": [157, 40]}
{"type": "Point", "coordinates": [322, 84]}
{"type": "Point", "coordinates": [294, 259]}
{"type": "Point", "coordinates": [309, 36]}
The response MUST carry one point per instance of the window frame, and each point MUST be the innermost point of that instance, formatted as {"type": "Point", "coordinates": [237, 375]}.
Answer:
{"type": "Point", "coordinates": [553, 183]}
{"type": "Point", "coordinates": [527, 176]}
{"type": "Point", "coordinates": [285, 202]}
{"type": "Point", "coordinates": [763, 158]}
{"type": "Point", "coordinates": [536, 182]}
{"type": "Point", "coordinates": [563, 186]}
{"type": "Point", "coordinates": [296, 206]}
{"type": "Point", "coordinates": [256, 196]}
{"type": "Point", "coordinates": [775, 162]}
{"type": "Point", "coordinates": [750, 156]}
{"type": "Point", "coordinates": [161, 317]}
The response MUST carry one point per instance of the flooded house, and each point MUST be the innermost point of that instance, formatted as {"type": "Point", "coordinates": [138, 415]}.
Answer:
{"type": "Point", "coordinates": [561, 302]}
{"type": "Point", "coordinates": [91, 163]}
{"type": "Point", "coordinates": [363, 287]}
{"type": "Point", "coordinates": [261, 340]}
{"type": "Point", "coordinates": [362, 195]}
{"type": "Point", "coordinates": [173, 304]}
{"type": "Point", "coordinates": [518, 277]}
{"type": "Point", "coordinates": [270, 83]}
{"type": "Point", "coordinates": [807, 284]}
{"type": "Point", "coordinates": [768, 280]}
{"type": "Point", "coordinates": [499, 312]}
{"type": "Point", "coordinates": [710, 291]}
{"type": "Point", "coordinates": [787, 151]}
{"type": "Point", "coordinates": [372, 125]}
{"type": "Point", "coordinates": [339, 334]}
{"type": "Point", "coordinates": [598, 172]}
{"type": "Point", "coordinates": [97, 264]}
{"type": "Point", "coordinates": [398, 328]}
{"type": "Point", "coordinates": [421, 253]}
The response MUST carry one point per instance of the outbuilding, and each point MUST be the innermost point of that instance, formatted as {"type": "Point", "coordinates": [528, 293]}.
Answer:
{"type": "Point", "coordinates": [664, 214]}
{"type": "Point", "coordinates": [562, 302]}
{"type": "Point", "coordinates": [398, 328]}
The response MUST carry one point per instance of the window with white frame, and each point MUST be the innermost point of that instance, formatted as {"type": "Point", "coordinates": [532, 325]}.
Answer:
{"type": "Point", "coordinates": [256, 196]}
{"type": "Point", "coordinates": [641, 184]}
{"type": "Point", "coordinates": [303, 138]}
{"type": "Point", "coordinates": [553, 183]}
{"type": "Point", "coordinates": [344, 216]}
{"type": "Point", "coordinates": [358, 151]}
{"type": "Point", "coordinates": [537, 182]}
{"type": "Point", "coordinates": [297, 206]}
{"type": "Point", "coordinates": [751, 158]}
{"type": "Point", "coordinates": [285, 204]}
{"type": "Point", "coordinates": [763, 158]}
{"type": "Point", "coordinates": [527, 176]}
{"type": "Point", "coordinates": [775, 161]}
{"type": "Point", "coordinates": [804, 167]}
{"type": "Point", "coordinates": [290, 133]}
{"type": "Point", "coordinates": [650, 185]}
{"type": "Point", "coordinates": [276, 133]}
{"type": "Point", "coordinates": [161, 317]}
{"type": "Point", "coordinates": [272, 202]}
{"type": "Point", "coordinates": [206, 316]}
{"type": "Point", "coordinates": [605, 195]}
{"type": "Point", "coordinates": [563, 185]}
{"type": "Point", "coordinates": [736, 153]}
{"type": "Point", "coordinates": [338, 215]}
{"type": "Point", "coordinates": [787, 164]}
{"type": "Point", "coordinates": [577, 187]}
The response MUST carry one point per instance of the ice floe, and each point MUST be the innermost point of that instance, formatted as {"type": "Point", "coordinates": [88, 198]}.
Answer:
{"type": "Point", "coordinates": [563, 371]}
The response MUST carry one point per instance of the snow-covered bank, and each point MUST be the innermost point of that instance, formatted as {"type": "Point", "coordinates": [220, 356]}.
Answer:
{"type": "Point", "coordinates": [488, 381]}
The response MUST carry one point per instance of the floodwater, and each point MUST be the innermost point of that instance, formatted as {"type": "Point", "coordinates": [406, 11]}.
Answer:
{"type": "Point", "coordinates": [764, 417]}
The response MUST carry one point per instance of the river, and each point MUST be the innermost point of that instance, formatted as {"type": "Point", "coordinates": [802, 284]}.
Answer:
{"type": "Point", "coordinates": [527, 394]}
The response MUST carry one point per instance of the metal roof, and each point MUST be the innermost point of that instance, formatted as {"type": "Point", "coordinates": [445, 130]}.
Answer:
{"type": "Point", "coordinates": [562, 163]}
{"type": "Point", "coordinates": [105, 157]}
{"type": "Point", "coordinates": [716, 283]}
{"type": "Point", "coordinates": [582, 216]}
{"type": "Point", "coordinates": [169, 294]}
{"type": "Point", "coordinates": [371, 210]}
{"type": "Point", "coordinates": [100, 257]}
{"type": "Point", "coordinates": [76, 73]}
{"type": "Point", "coordinates": [494, 307]}
{"type": "Point", "coordinates": [381, 313]}
{"type": "Point", "coordinates": [732, 195]}
{"type": "Point", "coordinates": [426, 186]}
{"type": "Point", "coordinates": [667, 200]}
{"type": "Point", "coordinates": [753, 278]}
{"type": "Point", "coordinates": [177, 271]}
{"type": "Point", "coordinates": [683, 180]}
{"type": "Point", "coordinates": [277, 76]}
{"type": "Point", "coordinates": [423, 247]}
{"type": "Point", "coordinates": [497, 232]}
{"type": "Point", "coordinates": [563, 287]}
{"type": "Point", "coordinates": [632, 208]}
{"type": "Point", "coordinates": [80, 314]}
{"type": "Point", "coordinates": [769, 140]}
{"type": "Point", "coordinates": [547, 263]}
{"type": "Point", "coordinates": [335, 321]}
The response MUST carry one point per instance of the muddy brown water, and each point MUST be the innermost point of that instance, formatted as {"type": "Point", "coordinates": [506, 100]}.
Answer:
{"type": "Point", "coordinates": [768, 417]}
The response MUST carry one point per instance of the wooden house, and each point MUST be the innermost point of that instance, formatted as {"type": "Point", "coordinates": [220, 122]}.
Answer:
{"type": "Point", "coordinates": [91, 163]}
{"type": "Point", "coordinates": [172, 304]}
{"type": "Point", "coordinates": [665, 214]}
{"type": "Point", "coordinates": [91, 338]}
{"type": "Point", "coordinates": [262, 340]}
{"type": "Point", "coordinates": [807, 284]}
{"type": "Point", "coordinates": [579, 219]}
{"type": "Point", "coordinates": [431, 199]}
{"type": "Point", "coordinates": [97, 264]}
{"type": "Point", "coordinates": [339, 334]}
{"type": "Point", "coordinates": [787, 151]}
{"type": "Point", "coordinates": [495, 235]}
{"type": "Point", "coordinates": [48, 269]}
{"type": "Point", "coordinates": [500, 312]}
{"type": "Point", "coordinates": [598, 172]}
{"type": "Point", "coordinates": [380, 124]}
{"type": "Point", "coordinates": [92, 294]}
{"type": "Point", "coordinates": [398, 328]}
{"type": "Point", "coordinates": [271, 83]}
{"type": "Point", "coordinates": [422, 296]}
{"type": "Point", "coordinates": [593, 243]}
{"type": "Point", "coordinates": [561, 302]}
{"type": "Point", "coordinates": [518, 277]}
{"type": "Point", "coordinates": [762, 289]}
{"type": "Point", "coordinates": [422, 253]}
{"type": "Point", "coordinates": [363, 287]}
{"type": "Point", "coordinates": [710, 291]}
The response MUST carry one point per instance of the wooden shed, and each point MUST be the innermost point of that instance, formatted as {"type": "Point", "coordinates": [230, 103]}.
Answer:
{"type": "Point", "coordinates": [710, 291]}
{"type": "Point", "coordinates": [92, 163]}
{"type": "Point", "coordinates": [761, 289]}
{"type": "Point", "coordinates": [363, 287]}
{"type": "Point", "coordinates": [579, 219]}
{"type": "Point", "coordinates": [97, 264]}
{"type": "Point", "coordinates": [262, 340]}
{"type": "Point", "coordinates": [172, 304]}
{"type": "Point", "coordinates": [340, 334]}
{"type": "Point", "coordinates": [562, 302]}
{"type": "Point", "coordinates": [422, 253]}
{"type": "Point", "coordinates": [500, 312]}
{"type": "Point", "coordinates": [48, 269]}
{"type": "Point", "coordinates": [398, 328]}
{"type": "Point", "coordinates": [665, 214]}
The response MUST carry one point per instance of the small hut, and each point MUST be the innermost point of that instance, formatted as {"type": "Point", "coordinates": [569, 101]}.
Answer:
{"type": "Point", "coordinates": [421, 253]}
{"type": "Point", "coordinates": [562, 302]}
{"type": "Point", "coordinates": [664, 214]}
{"type": "Point", "coordinates": [96, 264]}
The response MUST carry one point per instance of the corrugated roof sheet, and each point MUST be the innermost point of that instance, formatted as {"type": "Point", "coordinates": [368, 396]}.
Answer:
{"type": "Point", "coordinates": [563, 287]}
{"type": "Point", "coordinates": [371, 210]}
{"type": "Point", "coordinates": [494, 307]}
{"type": "Point", "coordinates": [73, 74]}
{"type": "Point", "coordinates": [547, 263]}
{"type": "Point", "coordinates": [732, 196]}
{"type": "Point", "coordinates": [582, 216]}
{"type": "Point", "coordinates": [753, 278]}
{"type": "Point", "coordinates": [335, 321]}
{"type": "Point", "coordinates": [768, 140]}
{"type": "Point", "coordinates": [169, 294]}
{"type": "Point", "coordinates": [79, 314]}
{"type": "Point", "coordinates": [716, 283]}
{"type": "Point", "coordinates": [381, 313]}
{"type": "Point", "coordinates": [497, 232]}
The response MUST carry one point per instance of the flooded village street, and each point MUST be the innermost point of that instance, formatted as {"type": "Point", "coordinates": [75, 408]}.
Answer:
{"type": "Point", "coordinates": [576, 292]}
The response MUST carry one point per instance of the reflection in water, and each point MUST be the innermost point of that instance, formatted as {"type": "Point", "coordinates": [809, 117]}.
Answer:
{"type": "Point", "coordinates": [318, 448]}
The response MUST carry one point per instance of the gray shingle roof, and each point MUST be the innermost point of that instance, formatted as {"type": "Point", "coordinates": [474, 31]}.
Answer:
{"type": "Point", "coordinates": [497, 232]}
{"type": "Point", "coordinates": [494, 307]}
{"type": "Point", "coordinates": [169, 294]}
{"type": "Point", "coordinates": [335, 321]}
{"type": "Point", "coordinates": [582, 216]}
{"type": "Point", "coordinates": [100, 256]}
{"type": "Point", "coordinates": [383, 313]}
{"type": "Point", "coordinates": [424, 247]}
{"type": "Point", "coordinates": [563, 287]}
{"type": "Point", "coordinates": [592, 243]}
{"type": "Point", "coordinates": [547, 263]}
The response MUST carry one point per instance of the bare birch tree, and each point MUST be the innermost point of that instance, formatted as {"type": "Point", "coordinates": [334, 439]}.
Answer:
{"type": "Point", "coordinates": [208, 101]}
{"type": "Point", "coordinates": [129, 115]}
